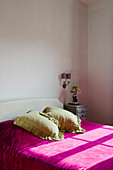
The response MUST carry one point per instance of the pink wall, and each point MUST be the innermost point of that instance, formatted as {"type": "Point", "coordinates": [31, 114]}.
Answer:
{"type": "Point", "coordinates": [39, 40]}
{"type": "Point", "coordinates": [80, 59]}
{"type": "Point", "coordinates": [50, 37]}
{"type": "Point", "coordinates": [100, 62]}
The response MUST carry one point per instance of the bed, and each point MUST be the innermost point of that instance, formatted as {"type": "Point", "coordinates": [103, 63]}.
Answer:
{"type": "Point", "coordinates": [21, 150]}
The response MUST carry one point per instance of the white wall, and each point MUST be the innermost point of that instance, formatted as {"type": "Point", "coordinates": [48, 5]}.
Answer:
{"type": "Point", "coordinates": [100, 61]}
{"type": "Point", "coordinates": [39, 39]}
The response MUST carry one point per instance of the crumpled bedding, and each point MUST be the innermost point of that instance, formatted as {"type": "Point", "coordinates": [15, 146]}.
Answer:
{"type": "Point", "coordinates": [21, 150]}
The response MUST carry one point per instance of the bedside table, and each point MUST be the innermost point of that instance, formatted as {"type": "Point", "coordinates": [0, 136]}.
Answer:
{"type": "Point", "coordinates": [79, 110]}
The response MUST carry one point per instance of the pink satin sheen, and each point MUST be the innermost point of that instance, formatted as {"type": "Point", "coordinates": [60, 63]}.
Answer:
{"type": "Point", "coordinates": [92, 150]}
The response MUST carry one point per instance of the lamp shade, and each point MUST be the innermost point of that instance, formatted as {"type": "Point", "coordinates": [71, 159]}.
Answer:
{"type": "Point", "coordinates": [68, 76]}
{"type": "Point", "coordinates": [63, 76]}
{"type": "Point", "coordinates": [75, 89]}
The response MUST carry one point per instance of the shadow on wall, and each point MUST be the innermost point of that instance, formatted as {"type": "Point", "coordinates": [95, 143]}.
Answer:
{"type": "Point", "coordinates": [64, 94]}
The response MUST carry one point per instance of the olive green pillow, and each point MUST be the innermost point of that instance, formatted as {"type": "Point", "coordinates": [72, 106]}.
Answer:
{"type": "Point", "coordinates": [39, 125]}
{"type": "Point", "coordinates": [67, 121]}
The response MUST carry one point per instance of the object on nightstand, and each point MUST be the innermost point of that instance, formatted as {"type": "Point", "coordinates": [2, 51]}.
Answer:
{"type": "Point", "coordinates": [75, 90]}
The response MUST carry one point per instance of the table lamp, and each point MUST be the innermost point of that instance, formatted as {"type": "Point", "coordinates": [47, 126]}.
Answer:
{"type": "Point", "coordinates": [75, 90]}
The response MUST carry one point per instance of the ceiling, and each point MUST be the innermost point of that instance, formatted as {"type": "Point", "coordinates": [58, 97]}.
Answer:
{"type": "Point", "coordinates": [87, 1]}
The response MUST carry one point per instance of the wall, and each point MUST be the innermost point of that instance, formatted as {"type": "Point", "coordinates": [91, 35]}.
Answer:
{"type": "Point", "coordinates": [100, 61]}
{"type": "Point", "coordinates": [39, 39]}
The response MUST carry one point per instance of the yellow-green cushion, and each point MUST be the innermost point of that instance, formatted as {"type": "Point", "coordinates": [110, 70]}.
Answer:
{"type": "Point", "coordinates": [67, 121]}
{"type": "Point", "coordinates": [39, 125]}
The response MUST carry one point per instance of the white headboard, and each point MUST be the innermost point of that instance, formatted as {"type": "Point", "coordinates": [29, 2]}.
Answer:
{"type": "Point", "coordinates": [9, 110]}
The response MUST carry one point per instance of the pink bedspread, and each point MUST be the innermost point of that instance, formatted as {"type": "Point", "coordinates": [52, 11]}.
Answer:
{"type": "Point", "coordinates": [20, 150]}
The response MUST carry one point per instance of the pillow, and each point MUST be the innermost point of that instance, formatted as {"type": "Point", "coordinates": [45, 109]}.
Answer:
{"type": "Point", "coordinates": [39, 125]}
{"type": "Point", "coordinates": [67, 121]}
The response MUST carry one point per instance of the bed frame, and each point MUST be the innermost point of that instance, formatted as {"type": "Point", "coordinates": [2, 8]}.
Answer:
{"type": "Point", "coordinates": [9, 110]}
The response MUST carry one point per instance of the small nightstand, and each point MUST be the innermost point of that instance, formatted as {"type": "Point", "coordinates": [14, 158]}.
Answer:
{"type": "Point", "coordinates": [79, 110]}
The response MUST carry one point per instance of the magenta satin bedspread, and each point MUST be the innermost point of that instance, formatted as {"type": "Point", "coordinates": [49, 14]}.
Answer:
{"type": "Point", "coordinates": [20, 150]}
